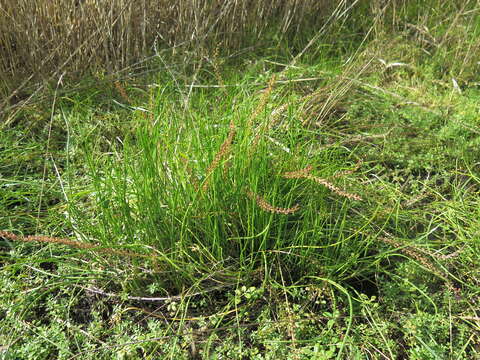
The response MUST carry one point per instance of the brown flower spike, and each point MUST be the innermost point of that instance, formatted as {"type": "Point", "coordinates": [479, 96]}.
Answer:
{"type": "Point", "coordinates": [222, 153]}
{"type": "Point", "coordinates": [305, 173]}
{"type": "Point", "coordinates": [261, 202]}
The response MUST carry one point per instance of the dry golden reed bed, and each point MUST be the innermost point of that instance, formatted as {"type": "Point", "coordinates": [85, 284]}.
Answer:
{"type": "Point", "coordinates": [42, 39]}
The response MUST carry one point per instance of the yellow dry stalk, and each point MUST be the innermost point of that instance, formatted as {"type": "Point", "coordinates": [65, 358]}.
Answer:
{"type": "Point", "coordinates": [122, 92]}
{"type": "Point", "coordinates": [299, 173]}
{"type": "Point", "coordinates": [333, 188]}
{"type": "Point", "coordinates": [260, 107]}
{"type": "Point", "coordinates": [413, 253]}
{"type": "Point", "coordinates": [263, 101]}
{"type": "Point", "coordinates": [70, 243]}
{"type": "Point", "coordinates": [222, 153]}
{"type": "Point", "coordinates": [348, 172]}
{"type": "Point", "coordinates": [305, 173]}
{"type": "Point", "coordinates": [216, 68]}
{"type": "Point", "coordinates": [190, 173]}
{"type": "Point", "coordinates": [275, 116]}
{"type": "Point", "coordinates": [262, 203]}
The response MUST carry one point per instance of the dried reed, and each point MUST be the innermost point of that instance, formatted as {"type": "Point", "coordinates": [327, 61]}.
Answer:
{"type": "Point", "coordinates": [39, 37]}
{"type": "Point", "coordinates": [262, 203]}
{"type": "Point", "coordinates": [275, 116]}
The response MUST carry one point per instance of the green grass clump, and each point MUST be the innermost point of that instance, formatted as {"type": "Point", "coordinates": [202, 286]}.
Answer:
{"type": "Point", "coordinates": [211, 187]}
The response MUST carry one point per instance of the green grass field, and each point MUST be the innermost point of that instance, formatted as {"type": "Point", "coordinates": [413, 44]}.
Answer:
{"type": "Point", "coordinates": [311, 202]}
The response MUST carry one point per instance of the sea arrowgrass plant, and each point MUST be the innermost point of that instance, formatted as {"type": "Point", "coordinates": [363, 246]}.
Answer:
{"type": "Point", "coordinates": [163, 187]}
{"type": "Point", "coordinates": [276, 256]}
